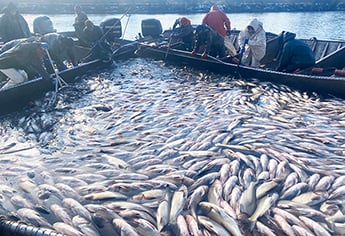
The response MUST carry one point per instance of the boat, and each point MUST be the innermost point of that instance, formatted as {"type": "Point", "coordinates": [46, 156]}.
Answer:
{"type": "Point", "coordinates": [15, 97]}
{"type": "Point", "coordinates": [327, 77]}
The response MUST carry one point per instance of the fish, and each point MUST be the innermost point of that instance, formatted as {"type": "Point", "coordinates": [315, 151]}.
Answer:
{"type": "Point", "coordinates": [215, 192]}
{"type": "Point", "coordinates": [33, 217]}
{"type": "Point", "coordinates": [315, 226]}
{"type": "Point", "coordinates": [163, 212]}
{"type": "Point", "coordinates": [61, 213]}
{"type": "Point", "coordinates": [85, 226]}
{"type": "Point", "coordinates": [263, 206]}
{"type": "Point", "coordinates": [284, 225]}
{"type": "Point", "coordinates": [67, 229]}
{"type": "Point", "coordinates": [196, 197]}
{"type": "Point", "coordinates": [248, 201]}
{"type": "Point", "coordinates": [182, 226]}
{"type": "Point", "coordinates": [193, 226]}
{"type": "Point", "coordinates": [77, 208]}
{"type": "Point", "coordinates": [177, 203]}
{"type": "Point", "coordinates": [124, 227]}
{"type": "Point", "coordinates": [213, 227]}
{"type": "Point", "coordinates": [221, 217]}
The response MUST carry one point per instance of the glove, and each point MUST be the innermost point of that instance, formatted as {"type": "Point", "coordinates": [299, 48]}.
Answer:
{"type": "Point", "coordinates": [246, 41]}
{"type": "Point", "coordinates": [44, 46]}
{"type": "Point", "coordinates": [243, 49]}
{"type": "Point", "coordinates": [193, 53]}
{"type": "Point", "coordinates": [235, 60]}
{"type": "Point", "coordinates": [177, 22]}
{"type": "Point", "coordinates": [204, 55]}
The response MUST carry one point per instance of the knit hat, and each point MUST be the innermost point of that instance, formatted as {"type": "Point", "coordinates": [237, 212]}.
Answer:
{"type": "Point", "coordinates": [184, 21]}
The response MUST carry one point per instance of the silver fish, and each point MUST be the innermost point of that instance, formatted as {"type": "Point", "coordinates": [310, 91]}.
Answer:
{"type": "Point", "coordinates": [177, 203]}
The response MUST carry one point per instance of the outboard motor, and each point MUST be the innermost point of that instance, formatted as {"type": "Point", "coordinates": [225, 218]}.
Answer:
{"type": "Point", "coordinates": [112, 29]}
{"type": "Point", "coordinates": [43, 25]}
{"type": "Point", "coordinates": [151, 27]}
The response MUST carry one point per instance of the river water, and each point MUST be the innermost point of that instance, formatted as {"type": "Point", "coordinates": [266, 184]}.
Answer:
{"type": "Point", "coordinates": [125, 146]}
{"type": "Point", "coordinates": [322, 25]}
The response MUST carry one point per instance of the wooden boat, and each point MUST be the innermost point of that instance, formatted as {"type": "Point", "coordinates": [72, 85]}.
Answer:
{"type": "Point", "coordinates": [330, 59]}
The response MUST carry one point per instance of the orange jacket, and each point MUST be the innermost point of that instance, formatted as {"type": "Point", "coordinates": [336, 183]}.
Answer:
{"type": "Point", "coordinates": [217, 20]}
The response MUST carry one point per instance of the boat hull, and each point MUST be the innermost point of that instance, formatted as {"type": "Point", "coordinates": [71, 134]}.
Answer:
{"type": "Point", "coordinates": [325, 85]}
{"type": "Point", "coordinates": [16, 97]}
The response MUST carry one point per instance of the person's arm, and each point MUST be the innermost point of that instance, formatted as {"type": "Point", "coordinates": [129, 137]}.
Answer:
{"type": "Point", "coordinates": [177, 22]}
{"type": "Point", "coordinates": [242, 36]}
{"type": "Point", "coordinates": [258, 40]}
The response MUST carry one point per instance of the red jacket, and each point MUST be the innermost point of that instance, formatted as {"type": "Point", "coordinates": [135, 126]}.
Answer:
{"type": "Point", "coordinates": [217, 20]}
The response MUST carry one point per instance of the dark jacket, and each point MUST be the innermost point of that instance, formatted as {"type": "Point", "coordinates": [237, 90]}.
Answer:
{"type": "Point", "coordinates": [295, 55]}
{"type": "Point", "coordinates": [61, 49]}
{"type": "Point", "coordinates": [184, 33]}
{"type": "Point", "coordinates": [210, 40]}
{"type": "Point", "coordinates": [13, 27]}
{"type": "Point", "coordinates": [92, 34]}
{"type": "Point", "coordinates": [27, 57]}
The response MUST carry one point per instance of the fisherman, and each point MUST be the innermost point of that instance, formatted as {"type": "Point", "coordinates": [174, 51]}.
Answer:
{"type": "Point", "coordinates": [217, 20]}
{"type": "Point", "coordinates": [208, 41]}
{"type": "Point", "coordinates": [61, 49]}
{"type": "Point", "coordinates": [252, 42]}
{"type": "Point", "coordinates": [91, 33]}
{"type": "Point", "coordinates": [27, 56]}
{"type": "Point", "coordinates": [13, 25]}
{"type": "Point", "coordinates": [184, 33]}
{"type": "Point", "coordinates": [43, 25]}
{"type": "Point", "coordinates": [93, 37]}
{"type": "Point", "coordinates": [79, 21]}
{"type": "Point", "coordinates": [296, 54]}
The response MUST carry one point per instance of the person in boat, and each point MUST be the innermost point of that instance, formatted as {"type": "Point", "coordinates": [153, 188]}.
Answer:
{"type": "Point", "coordinates": [27, 56]}
{"type": "Point", "coordinates": [296, 55]}
{"type": "Point", "coordinates": [217, 20]}
{"type": "Point", "coordinates": [93, 37]}
{"type": "Point", "coordinates": [43, 25]}
{"type": "Point", "coordinates": [12, 24]}
{"type": "Point", "coordinates": [79, 21]}
{"type": "Point", "coordinates": [91, 33]}
{"type": "Point", "coordinates": [208, 42]}
{"type": "Point", "coordinates": [252, 43]}
{"type": "Point", "coordinates": [61, 49]}
{"type": "Point", "coordinates": [184, 33]}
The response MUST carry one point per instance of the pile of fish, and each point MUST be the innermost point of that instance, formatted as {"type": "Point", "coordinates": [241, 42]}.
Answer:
{"type": "Point", "coordinates": [170, 151]}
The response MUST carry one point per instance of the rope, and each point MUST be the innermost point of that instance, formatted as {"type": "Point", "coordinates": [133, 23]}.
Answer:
{"type": "Point", "coordinates": [59, 81]}
{"type": "Point", "coordinates": [105, 34]}
{"type": "Point", "coordinates": [124, 31]}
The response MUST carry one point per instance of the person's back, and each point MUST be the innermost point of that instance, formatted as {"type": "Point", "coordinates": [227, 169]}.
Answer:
{"type": "Point", "coordinates": [217, 20]}
{"type": "Point", "coordinates": [208, 41]}
{"type": "Point", "coordinates": [295, 55]}
{"type": "Point", "coordinates": [61, 49]}
{"type": "Point", "coordinates": [91, 33]}
{"type": "Point", "coordinates": [13, 25]}
{"type": "Point", "coordinates": [27, 56]}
